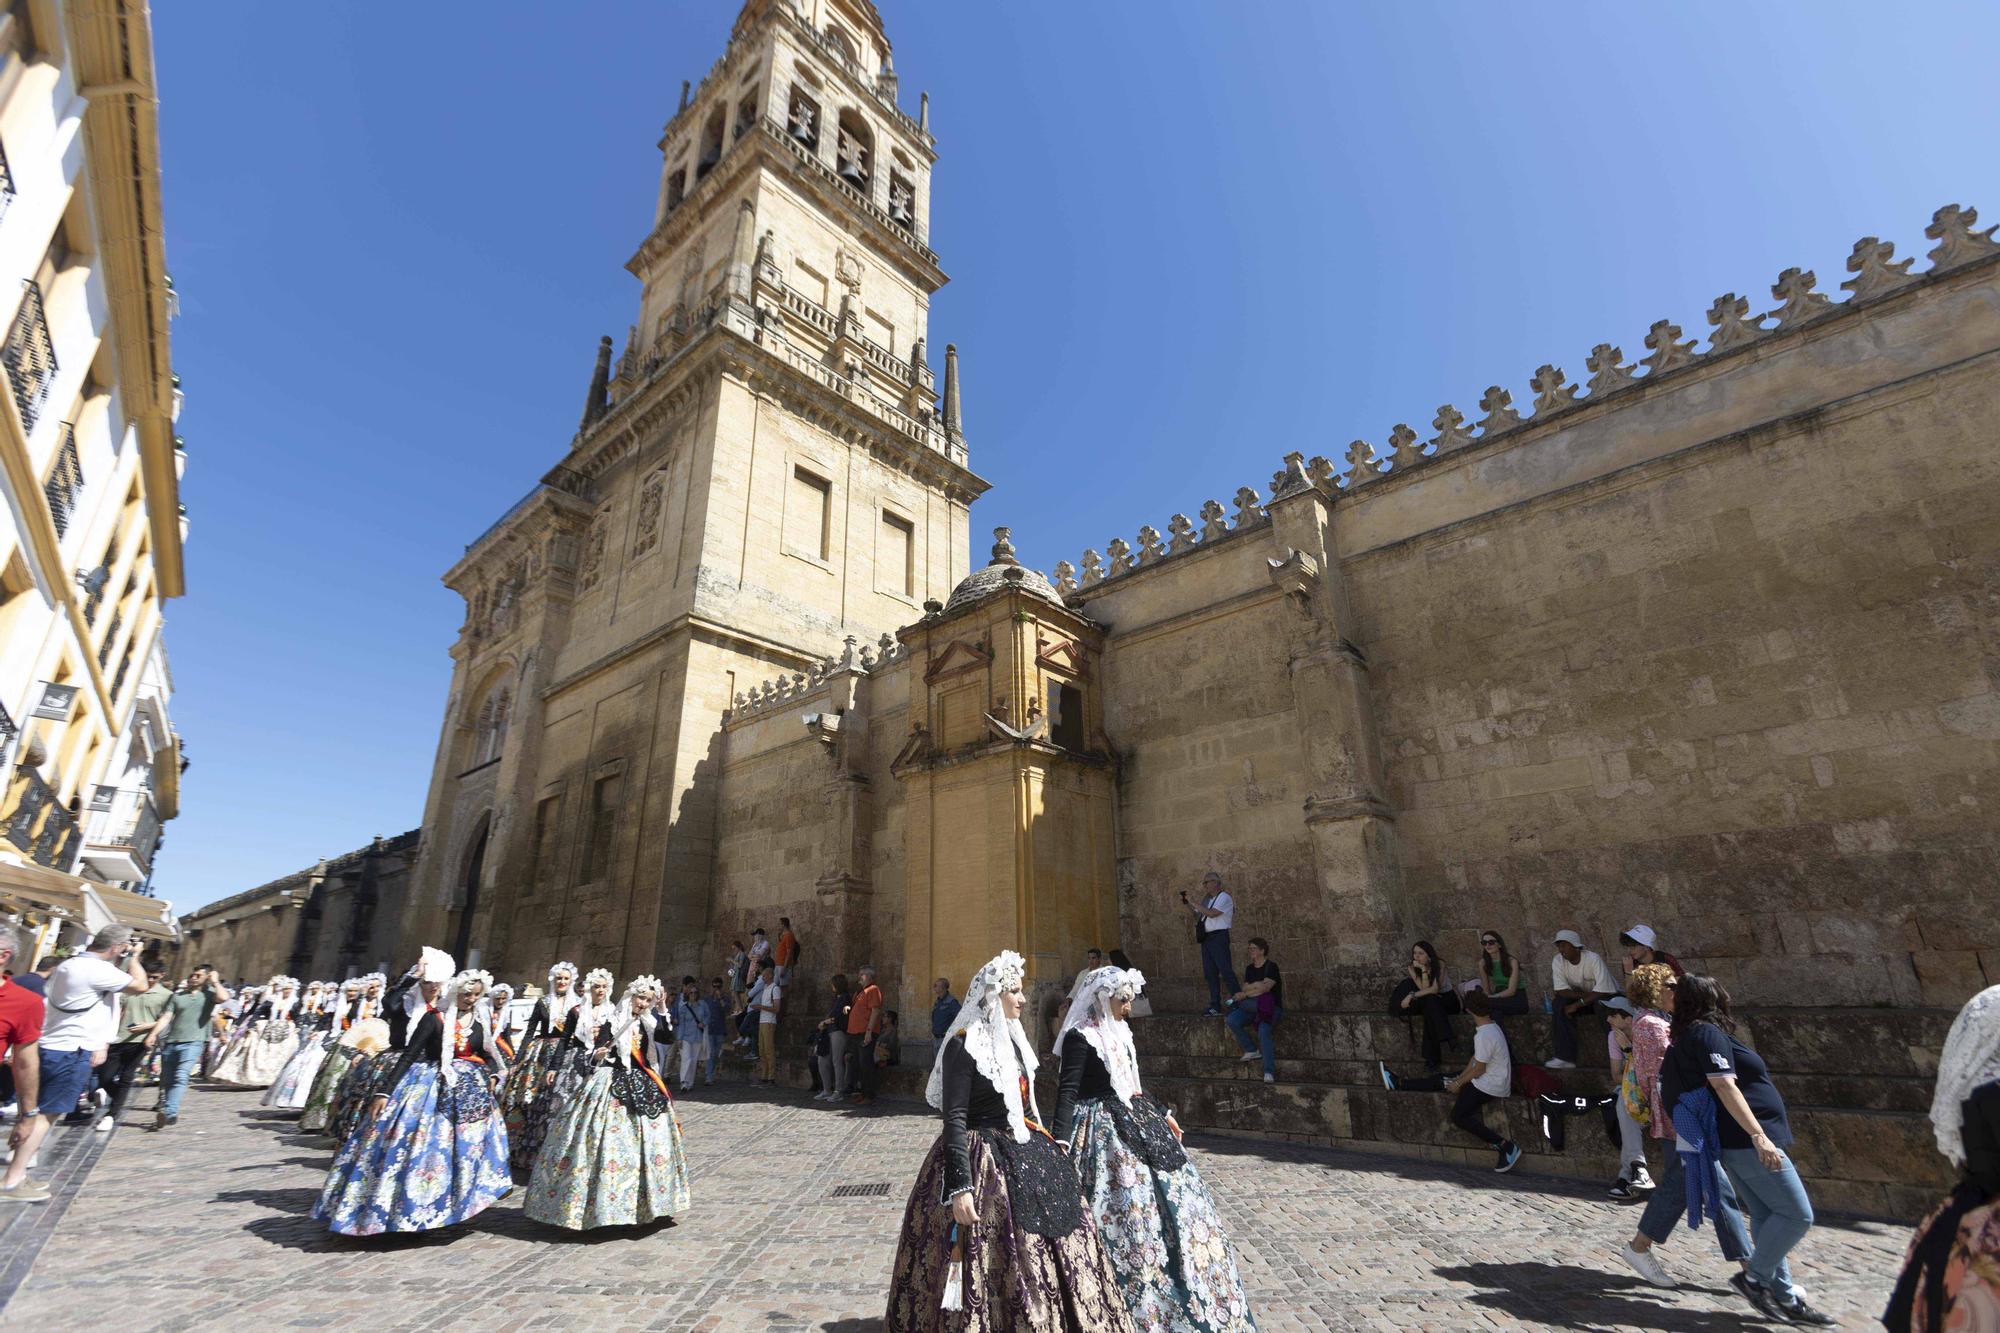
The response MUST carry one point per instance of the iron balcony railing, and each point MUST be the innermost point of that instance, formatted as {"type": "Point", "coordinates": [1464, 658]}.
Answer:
{"type": "Point", "coordinates": [130, 823]}
{"type": "Point", "coordinates": [6, 181]}
{"type": "Point", "coordinates": [65, 481]}
{"type": "Point", "coordinates": [29, 355]}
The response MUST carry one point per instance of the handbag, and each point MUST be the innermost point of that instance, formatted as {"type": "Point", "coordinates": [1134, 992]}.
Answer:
{"type": "Point", "coordinates": [1633, 1098]}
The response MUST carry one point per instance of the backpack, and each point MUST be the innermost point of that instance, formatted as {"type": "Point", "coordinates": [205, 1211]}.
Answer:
{"type": "Point", "coordinates": [1535, 1081]}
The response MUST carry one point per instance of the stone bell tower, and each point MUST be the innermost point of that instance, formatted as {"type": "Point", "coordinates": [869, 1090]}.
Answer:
{"type": "Point", "coordinates": [768, 468]}
{"type": "Point", "coordinates": [1008, 782]}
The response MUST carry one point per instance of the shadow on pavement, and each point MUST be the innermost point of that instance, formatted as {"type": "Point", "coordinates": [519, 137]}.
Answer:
{"type": "Point", "coordinates": [296, 1201]}
{"type": "Point", "coordinates": [852, 1326]}
{"type": "Point", "coordinates": [1564, 1296]}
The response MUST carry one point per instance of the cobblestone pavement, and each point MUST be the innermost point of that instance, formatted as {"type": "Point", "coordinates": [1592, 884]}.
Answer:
{"type": "Point", "coordinates": [205, 1225]}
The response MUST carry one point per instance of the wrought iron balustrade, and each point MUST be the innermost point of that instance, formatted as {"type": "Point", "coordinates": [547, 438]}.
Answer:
{"type": "Point", "coordinates": [29, 355]}
{"type": "Point", "coordinates": [65, 481]}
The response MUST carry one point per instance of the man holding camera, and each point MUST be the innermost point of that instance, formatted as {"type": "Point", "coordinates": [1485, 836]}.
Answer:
{"type": "Point", "coordinates": [1212, 918]}
{"type": "Point", "coordinates": [182, 1035]}
{"type": "Point", "coordinates": [82, 1013]}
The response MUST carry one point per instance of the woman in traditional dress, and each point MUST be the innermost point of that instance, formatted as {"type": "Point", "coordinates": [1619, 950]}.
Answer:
{"type": "Point", "coordinates": [1159, 1224]}
{"type": "Point", "coordinates": [564, 1056]}
{"type": "Point", "coordinates": [288, 1091]}
{"type": "Point", "coordinates": [402, 1004]}
{"type": "Point", "coordinates": [1951, 1278]}
{"type": "Point", "coordinates": [498, 997]}
{"type": "Point", "coordinates": [996, 1238]}
{"type": "Point", "coordinates": [357, 1030]}
{"type": "Point", "coordinates": [613, 1153]}
{"type": "Point", "coordinates": [271, 1039]}
{"type": "Point", "coordinates": [534, 1056]}
{"type": "Point", "coordinates": [432, 1149]}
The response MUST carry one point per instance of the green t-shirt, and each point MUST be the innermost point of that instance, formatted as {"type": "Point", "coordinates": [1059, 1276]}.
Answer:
{"type": "Point", "coordinates": [141, 1011]}
{"type": "Point", "coordinates": [190, 1011]}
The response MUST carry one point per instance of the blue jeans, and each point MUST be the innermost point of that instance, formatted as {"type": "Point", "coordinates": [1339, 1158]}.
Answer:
{"type": "Point", "coordinates": [1215, 968]}
{"type": "Point", "coordinates": [1780, 1215]}
{"type": "Point", "coordinates": [1241, 1017]}
{"type": "Point", "coordinates": [1668, 1205]}
{"type": "Point", "coordinates": [178, 1061]}
{"type": "Point", "coordinates": [714, 1042]}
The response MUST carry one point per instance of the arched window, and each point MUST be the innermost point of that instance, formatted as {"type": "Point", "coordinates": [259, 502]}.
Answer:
{"type": "Point", "coordinates": [842, 42]}
{"type": "Point", "coordinates": [711, 142]}
{"type": "Point", "coordinates": [489, 725]}
{"type": "Point", "coordinates": [802, 118]}
{"type": "Point", "coordinates": [856, 160]}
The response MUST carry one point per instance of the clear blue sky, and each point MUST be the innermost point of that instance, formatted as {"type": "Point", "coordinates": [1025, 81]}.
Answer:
{"type": "Point", "coordinates": [1185, 239]}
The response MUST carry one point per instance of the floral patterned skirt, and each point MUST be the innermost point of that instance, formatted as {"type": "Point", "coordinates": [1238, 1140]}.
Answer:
{"type": "Point", "coordinates": [527, 1074]}
{"type": "Point", "coordinates": [532, 1112]}
{"type": "Point", "coordinates": [361, 1082]}
{"type": "Point", "coordinates": [325, 1087]}
{"type": "Point", "coordinates": [429, 1159]}
{"type": "Point", "coordinates": [606, 1162]}
{"type": "Point", "coordinates": [294, 1082]}
{"type": "Point", "coordinates": [1161, 1230]}
{"type": "Point", "coordinates": [260, 1056]}
{"type": "Point", "coordinates": [1015, 1281]}
{"type": "Point", "coordinates": [1971, 1274]}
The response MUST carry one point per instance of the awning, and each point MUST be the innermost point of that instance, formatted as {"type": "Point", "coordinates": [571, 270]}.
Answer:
{"type": "Point", "coordinates": [32, 888]}
{"type": "Point", "coordinates": [148, 916]}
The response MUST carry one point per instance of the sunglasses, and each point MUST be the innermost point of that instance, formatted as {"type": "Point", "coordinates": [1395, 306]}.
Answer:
{"type": "Point", "coordinates": [1489, 940]}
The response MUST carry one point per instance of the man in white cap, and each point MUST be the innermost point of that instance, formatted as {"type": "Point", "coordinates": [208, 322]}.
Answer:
{"type": "Point", "coordinates": [1578, 979]}
{"type": "Point", "coordinates": [1642, 946]}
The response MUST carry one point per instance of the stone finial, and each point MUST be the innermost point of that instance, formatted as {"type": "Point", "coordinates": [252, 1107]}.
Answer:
{"type": "Point", "coordinates": [1552, 393]}
{"type": "Point", "coordinates": [1363, 464]}
{"type": "Point", "coordinates": [1121, 556]}
{"type": "Point", "coordinates": [1214, 520]}
{"type": "Point", "coordinates": [1292, 478]}
{"type": "Point", "coordinates": [1449, 423]}
{"type": "Point", "coordinates": [1150, 545]}
{"type": "Point", "coordinates": [598, 401]}
{"type": "Point", "coordinates": [954, 423]}
{"type": "Point", "coordinates": [867, 657]}
{"type": "Point", "coordinates": [739, 703]}
{"type": "Point", "coordinates": [1498, 404]}
{"type": "Point", "coordinates": [887, 643]}
{"type": "Point", "coordinates": [1319, 468]}
{"type": "Point", "coordinates": [1669, 352]}
{"type": "Point", "coordinates": [1405, 450]}
{"type": "Point", "coordinates": [1180, 534]}
{"type": "Point", "coordinates": [849, 659]}
{"type": "Point", "coordinates": [1957, 243]}
{"type": "Point", "coordinates": [1875, 269]}
{"type": "Point", "coordinates": [1799, 303]}
{"type": "Point", "coordinates": [1608, 371]}
{"type": "Point", "coordinates": [1065, 577]}
{"type": "Point", "coordinates": [1248, 509]}
{"type": "Point", "coordinates": [1093, 568]}
{"type": "Point", "coordinates": [1003, 547]}
{"type": "Point", "coordinates": [1733, 323]}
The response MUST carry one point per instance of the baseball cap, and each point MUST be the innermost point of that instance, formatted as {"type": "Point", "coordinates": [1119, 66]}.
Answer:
{"type": "Point", "coordinates": [1569, 937]}
{"type": "Point", "coordinates": [1621, 1004]}
{"type": "Point", "coordinates": [1640, 935]}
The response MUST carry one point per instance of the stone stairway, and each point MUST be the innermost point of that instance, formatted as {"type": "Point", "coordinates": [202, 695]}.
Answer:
{"type": "Point", "coordinates": [1857, 1083]}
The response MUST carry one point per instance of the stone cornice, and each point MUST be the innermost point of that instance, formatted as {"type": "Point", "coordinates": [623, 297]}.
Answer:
{"type": "Point", "coordinates": [542, 510]}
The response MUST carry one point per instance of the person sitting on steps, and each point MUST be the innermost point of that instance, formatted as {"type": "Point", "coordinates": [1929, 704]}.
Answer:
{"type": "Point", "coordinates": [1500, 976]}
{"type": "Point", "coordinates": [1487, 1077]}
{"type": "Point", "coordinates": [1426, 993]}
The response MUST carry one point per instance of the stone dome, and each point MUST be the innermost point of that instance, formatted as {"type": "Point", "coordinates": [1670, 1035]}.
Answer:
{"type": "Point", "coordinates": [1003, 573]}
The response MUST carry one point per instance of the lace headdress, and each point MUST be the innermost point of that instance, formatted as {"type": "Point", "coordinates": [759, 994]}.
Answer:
{"type": "Point", "coordinates": [1090, 1015]}
{"type": "Point", "coordinates": [449, 1015]}
{"type": "Point", "coordinates": [1970, 1059]}
{"type": "Point", "coordinates": [621, 1038]}
{"type": "Point", "coordinates": [590, 1015]}
{"type": "Point", "coordinates": [999, 1046]}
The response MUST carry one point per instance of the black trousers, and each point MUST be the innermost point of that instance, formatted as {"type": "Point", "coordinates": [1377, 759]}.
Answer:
{"type": "Point", "coordinates": [121, 1065]}
{"type": "Point", "coordinates": [861, 1050]}
{"type": "Point", "coordinates": [1468, 1112]}
{"type": "Point", "coordinates": [1435, 1011]}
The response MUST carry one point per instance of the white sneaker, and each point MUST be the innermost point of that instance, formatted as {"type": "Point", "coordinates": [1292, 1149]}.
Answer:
{"type": "Point", "coordinates": [104, 1123]}
{"type": "Point", "coordinates": [1640, 1179]}
{"type": "Point", "coordinates": [1558, 1064]}
{"type": "Point", "coordinates": [1251, 1057]}
{"type": "Point", "coordinates": [1647, 1265]}
{"type": "Point", "coordinates": [1270, 1078]}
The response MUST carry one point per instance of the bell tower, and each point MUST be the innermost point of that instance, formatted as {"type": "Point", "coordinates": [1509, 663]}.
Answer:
{"type": "Point", "coordinates": [768, 467]}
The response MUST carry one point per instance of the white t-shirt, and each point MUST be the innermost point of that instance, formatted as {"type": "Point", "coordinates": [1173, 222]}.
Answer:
{"type": "Point", "coordinates": [1588, 974]}
{"type": "Point", "coordinates": [759, 948]}
{"type": "Point", "coordinates": [82, 1004]}
{"type": "Point", "coordinates": [1489, 1047]}
{"type": "Point", "coordinates": [772, 994]}
{"type": "Point", "coordinates": [1222, 903]}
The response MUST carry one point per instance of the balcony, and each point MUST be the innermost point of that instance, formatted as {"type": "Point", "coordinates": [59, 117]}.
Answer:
{"type": "Point", "coordinates": [36, 823]}
{"type": "Point", "coordinates": [29, 355]}
{"type": "Point", "coordinates": [124, 830]}
{"type": "Point", "coordinates": [65, 481]}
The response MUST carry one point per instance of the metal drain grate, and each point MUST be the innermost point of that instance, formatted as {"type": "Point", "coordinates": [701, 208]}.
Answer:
{"type": "Point", "coordinates": [861, 1191]}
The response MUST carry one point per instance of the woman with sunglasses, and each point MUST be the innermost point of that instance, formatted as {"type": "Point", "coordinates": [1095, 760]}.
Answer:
{"type": "Point", "coordinates": [1500, 976]}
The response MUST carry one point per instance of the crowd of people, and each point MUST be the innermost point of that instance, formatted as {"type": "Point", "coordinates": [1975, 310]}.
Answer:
{"type": "Point", "coordinates": [440, 1093]}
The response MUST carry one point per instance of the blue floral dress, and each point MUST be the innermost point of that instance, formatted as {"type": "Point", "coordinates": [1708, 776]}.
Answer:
{"type": "Point", "coordinates": [612, 1155]}
{"type": "Point", "coordinates": [1174, 1262]}
{"type": "Point", "coordinates": [435, 1156]}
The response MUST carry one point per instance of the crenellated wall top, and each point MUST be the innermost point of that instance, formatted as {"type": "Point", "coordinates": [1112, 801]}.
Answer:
{"type": "Point", "coordinates": [783, 691]}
